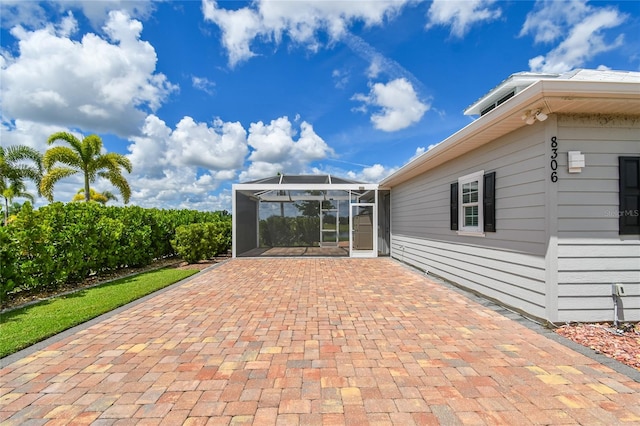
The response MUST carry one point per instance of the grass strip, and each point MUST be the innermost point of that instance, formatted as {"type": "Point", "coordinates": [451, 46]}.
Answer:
{"type": "Point", "coordinates": [26, 326]}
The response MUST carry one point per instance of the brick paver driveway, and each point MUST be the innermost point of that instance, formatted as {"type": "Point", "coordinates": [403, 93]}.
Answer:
{"type": "Point", "coordinates": [312, 341]}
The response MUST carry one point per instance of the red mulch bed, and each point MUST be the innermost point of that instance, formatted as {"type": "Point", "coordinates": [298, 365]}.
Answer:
{"type": "Point", "coordinates": [622, 344]}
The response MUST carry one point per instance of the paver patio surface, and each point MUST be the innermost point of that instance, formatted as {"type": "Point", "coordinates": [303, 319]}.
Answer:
{"type": "Point", "coordinates": [312, 341]}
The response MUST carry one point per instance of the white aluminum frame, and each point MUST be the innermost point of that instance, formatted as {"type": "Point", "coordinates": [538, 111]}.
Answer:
{"type": "Point", "coordinates": [322, 230]}
{"type": "Point", "coordinates": [257, 189]}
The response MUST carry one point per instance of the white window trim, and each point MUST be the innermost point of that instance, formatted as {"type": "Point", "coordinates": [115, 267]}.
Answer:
{"type": "Point", "coordinates": [471, 231]}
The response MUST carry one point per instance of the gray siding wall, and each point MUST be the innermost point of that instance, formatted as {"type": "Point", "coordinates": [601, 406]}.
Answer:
{"type": "Point", "coordinates": [591, 253]}
{"type": "Point", "coordinates": [507, 265]}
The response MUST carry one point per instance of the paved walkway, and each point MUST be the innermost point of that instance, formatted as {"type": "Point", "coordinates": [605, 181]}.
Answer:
{"type": "Point", "coordinates": [312, 341]}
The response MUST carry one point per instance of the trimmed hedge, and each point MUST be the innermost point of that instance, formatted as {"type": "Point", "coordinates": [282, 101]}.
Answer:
{"type": "Point", "coordinates": [65, 243]}
{"type": "Point", "coordinates": [201, 241]}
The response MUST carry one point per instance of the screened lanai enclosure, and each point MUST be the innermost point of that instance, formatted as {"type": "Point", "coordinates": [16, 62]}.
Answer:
{"type": "Point", "coordinates": [310, 215]}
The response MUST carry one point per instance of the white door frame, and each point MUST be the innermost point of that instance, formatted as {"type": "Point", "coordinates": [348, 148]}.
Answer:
{"type": "Point", "coordinates": [364, 253]}
{"type": "Point", "coordinates": [336, 240]}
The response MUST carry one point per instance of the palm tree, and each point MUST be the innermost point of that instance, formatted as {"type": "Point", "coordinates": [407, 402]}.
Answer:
{"type": "Point", "coordinates": [15, 190]}
{"type": "Point", "coordinates": [86, 157]}
{"type": "Point", "coordinates": [99, 197]}
{"type": "Point", "coordinates": [14, 171]}
{"type": "Point", "coordinates": [14, 208]}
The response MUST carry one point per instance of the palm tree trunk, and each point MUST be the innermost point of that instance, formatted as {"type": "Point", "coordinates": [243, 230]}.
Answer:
{"type": "Point", "coordinates": [6, 211]}
{"type": "Point", "coordinates": [87, 190]}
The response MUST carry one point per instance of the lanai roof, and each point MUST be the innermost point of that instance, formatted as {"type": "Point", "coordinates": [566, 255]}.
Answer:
{"type": "Point", "coordinates": [290, 188]}
{"type": "Point", "coordinates": [302, 180]}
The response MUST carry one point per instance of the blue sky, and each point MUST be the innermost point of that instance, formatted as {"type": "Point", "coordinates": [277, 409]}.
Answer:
{"type": "Point", "coordinates": [201, 95]}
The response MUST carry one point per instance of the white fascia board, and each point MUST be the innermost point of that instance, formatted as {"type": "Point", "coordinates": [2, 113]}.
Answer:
{"type": "Point", "coordinates": [305, 187]}
{"type": "Point", "coordinates": [573, 89]}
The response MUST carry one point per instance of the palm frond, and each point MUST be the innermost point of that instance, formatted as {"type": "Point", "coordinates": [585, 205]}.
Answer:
{"type": "Point", "coordinates": [121, 183]}
{"type": "Point", "coordinates": [113, 161]}
{"type": "Point", "coordinates": [21, 152]}
{"type": "Point", "coordinates": [61, 154]}
{"type": "Point", "coordinates": [84, 156]}
{"type": "Point", "coordinates": [68, 138]}
{"type": "Point", "coordinates": [52, 177]}
{"type": "Point", "coordinates": [16, 189]}
{"type": "Point", "coordinates": [13, 170]}
{"type": "Point", "coordinates": [122, 161]}
{"type": "Point", "coordinates": [109, 196]}
{"type": "Point", "coordinates": [99, 197]}
{"type": "Point", "coordinates": [91, 146]}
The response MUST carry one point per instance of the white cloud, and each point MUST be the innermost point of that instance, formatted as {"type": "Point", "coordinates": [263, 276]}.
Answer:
{"type": "Point", "coordinates": [187, 163]}
{"type": "Point", "coordinates": [373, 174]}
{"type": "Point", "coordinates": [340, 78]}
{"type": "Point", "coordinates": [300, 21]}
{"type": "Point", "coordinates": [275, 150]}
{"type": "Point", "coordinates": [548, 21]}
{"type": "Point", "coordinates": [98, 11]}
{"type": "Point", "coordinates": [310, 146]}
{"type": "Point", "coordinates": [20, 12]}
{"type": "Point", "coordinates": [148, 150]}
{"type": "Point", "coordinates": [181, 167]}
{"type": "Point", "coordinates": [259, 170]}
{"type": "Point", "coordinates": [238, 27]}
{"type": "Point", "coordinates": [582, 26]}
{"type": "Point", "coordinates": [180, 189]}
{"type": "Point", "coordinates": [421, 150]}
{"type": "Point", "coordinates": [203, 84]}
{"type": "Point", "coordinates": [399, 104]}
{"type": "Point", "coordinates": [273, 143]}
{"type": "Point", "coordinates": [31, 14]}
{"type": "Point", "coordinates": [221, 147]}
{"type": "Point", "coordinates": [29, 133]}
{"type": "Point", "coordinates": [378, 63]}
{"type": "Point", "coordinates": [461, 15]}
{"type": "Point", "coordinates": [94, 83]}
{"type": "Point", "coordinates": [68, 26]}
{"type": "Point", "coordinates": [375, 68]}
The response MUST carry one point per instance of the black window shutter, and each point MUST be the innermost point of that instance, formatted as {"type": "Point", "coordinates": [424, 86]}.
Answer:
{"type": "Point", "coordinates": [629, 169]}
{"type": "Point", "coordinates": [489, 202]}
{"type": "Point", "coordinates": [454, 206]}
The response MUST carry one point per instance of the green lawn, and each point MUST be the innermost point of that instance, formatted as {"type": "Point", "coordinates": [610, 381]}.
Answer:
{"type": "Point", "coordinates": [25, 326]}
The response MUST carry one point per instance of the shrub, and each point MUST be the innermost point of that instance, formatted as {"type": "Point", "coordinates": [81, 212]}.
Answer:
{"type": "Point", "coordinates": [34, 250]}
{"type": "Point", "coordinates": [201, 241]}
{"type": "Point", "coordinates": [65, 243]}
{"type": "Point", "coordinates": [7, 264]}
